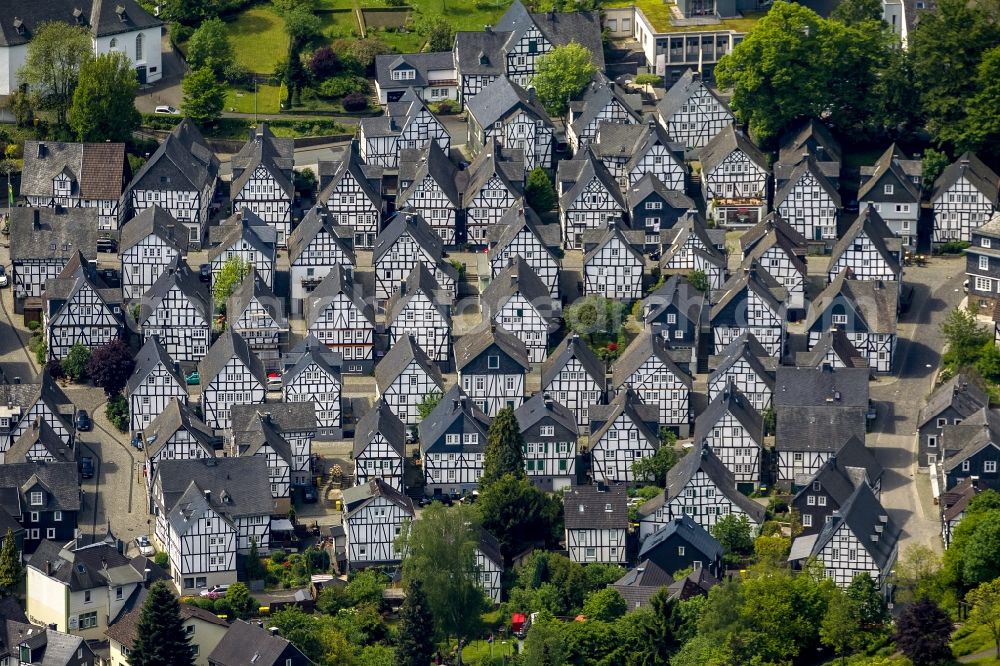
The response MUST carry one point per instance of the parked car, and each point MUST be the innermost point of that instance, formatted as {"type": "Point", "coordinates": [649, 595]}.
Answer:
{"type": "Point", "coordinates": [215, 592]}
{"type": "Point", "coordinates": [86, 467]}
{"type": "Point", "coordinates": [109, 245]}
{"type": "Point", "coordinates": [83, 422]}
{"type": "Point", "coordinates": [205, 272]}
{"type": "Point", "coordinates": [137, 441]}
{"type": "Point", "coordinates": [193, 379]}
{"type": "Point", "coordinates": [145, 547]}
{"type": "Point", "coordinates": [4, 280]}
{"type": "Point", "coordinates": [166, 109]}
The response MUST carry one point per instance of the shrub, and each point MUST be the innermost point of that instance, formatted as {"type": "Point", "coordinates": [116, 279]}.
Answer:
{"type": "Point", "coordinates": [446, 106]}
{"type": "Point", "coordinates": [324, 63]}
{"type": "Point", "coordinates": [279, 556]}
{"type": "Point", "coordinates": [339, 86]}
{"type": "Point", "coordinates": [55, 369]}
{"type": "Point", "coordinates": [34, 325]}
{"type": "Point", "coordinates": [355, 102]}
{"type": "Point", "coordinates": [75, 363]}
{"type": "Point", "coordinates": [953, 247]}
{"type": "Point", "coordinates": [236, 74]}
{"type": "Point", "coordinates": [117, 412]}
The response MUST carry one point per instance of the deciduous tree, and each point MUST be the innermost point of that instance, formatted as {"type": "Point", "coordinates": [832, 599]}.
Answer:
{"type": "Point", "coordinates": [655, 468]}
{"type": "Point", "coordinates": [240, 602]}
{"type": "Point", "coordinates": [209, 47]}
{"type": "Point", "coordinates": [519, 514]}
{"type": "Point", "coordinates": [985, 612]}
{"type": "Point", "coordinates": [854, 12]}
{"type": "Point", "coordinates": [604, 605]}
{"type": "Point", "coordinates": [504, 449]}
{"type": "Point", "coordinates": [233, 271]}
{"type": "Point", "coordinates": [415, 642]}
{"type": "Point", "coordinates": [841, 627]}
{"type": "Point", "coordinates": [11, 570]}
{"type": "Point", "coordinates": [52, 67]}
{"type": "Point", "coordinates": [923, 634]}
{"type": "Point", "coordinates": [428, 403]}
{"type": "Point", "coordinates": [110, 366]}
{"type": "Point", "coordinates": [735, 533]}
{"type": "Point", "coordinates": [203, 98]}
{"type": "Point", "coordinates": [76, 361]}
{"type": "Point", "coordinates": [104, 100]}
{"type": "Point", "coordinates": [538, 190]}
{"type": "Point", "coordinates": [561, 75]}
{"type": "Point", "coordinates": [160, 636]}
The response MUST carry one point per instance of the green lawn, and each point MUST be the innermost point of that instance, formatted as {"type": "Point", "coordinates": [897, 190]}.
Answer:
{"type": "Point", "coordinates": [334, 4]}
{"type": "Point", "coordinates": [338, 24]}
{"type": "Point", "coordinates": [268, 99]}
{"type": "Point", "coordinates": [258, 39]}
{"type": "Point", "coordinates": [658, 13]}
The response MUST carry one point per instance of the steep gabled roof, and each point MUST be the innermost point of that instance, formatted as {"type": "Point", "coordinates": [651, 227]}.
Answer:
{"type": "Point", "coordinates": [560, 28]}
{"type": "Point", "coordinates": [419, 280]}
{"type": "Point", "coordinates": [964, 392]}
{"type": "Point", "coordinates": [686, 528]}
{"type": "Point", "coordinates": [875, 301]}
{"type": "Point", "coordinates": [494, 160]}
{"type": "Point", "coordinates": [871, 224]}
{"type": "Point", "coordinates": [417, 228]}
{"type": "Point", "coordinates": [967, 166]}
{"type": "Point", "coordinates": [380, 419]}
{"type": "Point", "coordinates": [416, 165]}
{"type": "Point", "coordinates": [158, 222]}
{"type": "Point", "coordinates": [513, 221]}
{"type": "Point", "coordinates": [56, 234]}
{"type": "Point", "coordinates": [247, 226]}
{"type": "Point", "coordinates": [519, 278]}
{"type": "Point", "coordinates": [760, 281]}
{"type": "Point", "coordinates": [311, 351]}
{"type": "Point", "coordinates": [785, 234]}
{"type": "Point", "coordinates": [724, 143]}
{"type": "Point", "coordinates": [357, 497]}
{"type": "Point", "coordinates": [250, 289]}
{"type": "Point", "coordinates": [834, 340]}
{"type": "Point", "coordinates": [339, 280]}
{"type": "Point", "coordinates": [818, 409]}
{"type": "Point", "coordinates": [257, 434]}
{"type": "Point", "coordinates": [891, 161]}
{"type": "Point", "coordinates": [246, 643]}
{"type": "Point", "coordinates": [399, 357]}
{"type": "Point", "coordinates": [808, 165]}
{"type": "Point", "coordinates": [100, 17]}
{"type": "Point", "coordinates": [649, 184]}
{"type": "Point", "coordinates": [702, 458]}
{"type": "Point", "coordinates": [177, 274]}
{"type": "Point", "coordinates": [472, 344]}
{"type": "Point", "coordinates": [229, 345]}
{"type": "Point", "coordinates": [645, 346]}
{"type": "Point", "coordinates": [582, 169]}
{"type": "Point", "coordinates": [98, 169]}
{"type": "Point", "coordinates": [176, 416]}
{"type": "Point", "coordinates": [863, 514]}
{"type": "Point", "coordinates": [596, 507]}
{"type": "Point", "coordinates": [595, 99]}
{"type": "Point", "coordinates": [970, 437]}
{"type": "Point", "coordinates": [452, 406]}
{"type": "Point", "coordinates": [634, 141]}
{"type": "Point", "coordinates": [629, 403]}
{"type": "Point", "coordinates": [676, 291]}
{"type": "Point", "coordinates": [39, 432]}
{"type": "Point", "coordinates": [748, 348]}
{"type": "Point", "coordinates": [540, 406]}
{"type": "Point", "coordinates": [679, 94]}
{"type": "Point", "coordinates": [183, 152]}
{"type": "Point", "coordinates": [730, 400]}
{"type": "Point", "coordinates": [813, 137]}
{"type": "Point", "coordinates": [317, 221]}
{"type": "Point", "coordinates": [351, 164]}
{"type": "Point", "coordinates": [595, 239]}
{"type": "Point", "coordinates": [573, 347]}
{"type": "Point", "coordinates": [151, 354]}
{"type": "Point", "coordinates": [500, 98]}
{"type": "Point", "coordinates": [236, 486]}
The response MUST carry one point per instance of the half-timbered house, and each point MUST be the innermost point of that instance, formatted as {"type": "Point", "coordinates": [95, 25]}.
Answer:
{"type": "Point", "coordinates": [734, 178]}
{"type": "Point", "coordinates": [313, 374]}
{"type": "Point", "coordinates": [406, 241]}
{"type": "Point", "coordinates": [734, 430]}
{"type": "Point", "coordinates": [689, 246]}
{"type": "Point", "coordinates": [374, 516]}
{"type": "Point", "coordinates": [750, 302]}
{"type": "Point", "coordinates": [260, 438]}
{"type": "Point", "coordinates": [816, 411]}
{"type": "Point", "coordinates": [80, 309]}
{"type": "Point", "coordinates": [630, 151]}
{"type": "Point", "coordinates": [613, 262]}
{"type": "Point", "coordinates": [352, 192]}
{"type": "Point", "coordinates": [44, 498]}
{"type": "Point", "coordinates": [181, 176]}
{"type": "Point", "coordinates": [982, 265]}
{"type": "Point", "coordinates": [833, 348]}
{"type": "Point", "coordinates": [248, 237]}
{"type": "Point", "coordinates": [379, 447]}
{"type": "Point", "coordinates": [24, 403]}
{"type": "Point", "coordinates": [208, 510]}
{"type": "Point", "coordinates": [77, 175]}
{"type": "Point", "coordinates": [452, 443]}
{"type": "Point", "coordinates": [953, 504]}
{"type": "Point", "coordinates": [421, 309]}
{"type": "Point", "coordinates": [230, 375]}
{"type": "Point", "coordinates": [747, 366]}
{"type": "Point", "coordinates": [892, 187]}
{"type": "Point", "coordinates": [155, 381]}
{"type": "Point", "coordinates": [149, 243]}
{"type": "Point", "coordinates": [489, 564]}
{"type": "Point", "coordinates": [653, 207]}
{"type": "Point", "coordinates": [479, 59]}
{"type": "Point", "coordinates": [294, 421]}
{"type": "Point", "coordinates": [622, 432]}
{"type": "Point", "coordinates": [493, 184]}
{"type": "Point", "coordinates": [492, 365]}
{"type": "Point", "coordinates": [948, 404]}
{"type": "Point", "coordinates": [812, 139]}
{"type": "Point", "coordinates": [430, 186]}
{"type": "Point", "coordinates": [700, 486]}
{"type": "Point", "coordinates": [177, 309]}
{"type": "Point", "coordinates": [407, 123]}
{"type": "Point", "coordinates": [971, 449]}
{"type": "Point", "coordinates": [315, 246]}
{"type": "Point", "coordinates": [860, 538]}
{"type": "Point", "coordinates": [513, 118]}
{"type": "Point", "coordinates": [575, 378]}
{"type": "Point", "coordinates": [820, 495]}
{"type": "Point", "coordinates": [865, 310]}
{"type": "Point", "coordinates": [404, 376]}
{"type": "Point", "coordinates": [521, 233]}
{"type": "Point", "coordinates": [589, 197]}
{"type": "Point", "coordinates": [691, 112]}
{"type": "Point", "coordinates": [810, 202]}
{"type": "Point", "coordinates": [518, 300]}
{"type": "Point", "coordinates": [254, 312]}
{"type": "Point", "coordinates": [602, 101]}
{"type": "Point", "coordinates": [550, 432]}
{"type": "Point", "coordinates": [431, 75]}
{"type": "Point", "coordinates": [780, 252]}
{"type": "Point", "coordinates": [681, 544]}
{"type": "Point", "coordinates": [674, 313]}
{"type": "Point", "coordinates": [338, 315]}
{"type": "Point", "coordinates": [596, 519]}
{"type": "Point", "coordinates": [39, 443]}
{"type": "Point", "coordinates": [176, 433]}
{"type": "Point", "coordinates": [869, 248]}
{"type": "Point", "coordinates": [648, 368]}
{"type": "Point", "coordinates": [42, 241]}
{"type": "Point", "coordinates": [965, 196]}
{"type": "Point", "coordinates": [263, 184]}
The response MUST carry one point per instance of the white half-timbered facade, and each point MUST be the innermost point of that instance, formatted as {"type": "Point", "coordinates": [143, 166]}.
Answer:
{"type": "Point", "coordinates": [404, 376]}
{"type": "Point", "coordinates": [230, 375]}
{"type": "Point", "coordinates": [596, 519]}
{"type": "Point", "coordinates": [43, 240]}
{"type": "Point", "coordinates": [745, 366]}
{"type": "Point", "coordinates": [492, 364]}
{"type": "Point", "coordinates": [177, 310]}
{"type": "Point", "coordinates": [352, 192]}
{"type": "Point", "coordinates": [405, 242]}
{"type": "Point", "coordinates": [154, 383]}
{"type": "Point", "coordinates": [149, 243]}
{"type": "Point", "coordinates": [521, 233]}
{"type": "Point", "coordinates": [489, 564]}
{"type": "Point", "coordinates": [422, 310]}
{"type": "Point", "coordinates": [262, 180]}
{"type": "Point", "coordinates": [613, 262]}
{"type": "Point", "coordinates": [689, 247]}
{"type": "Point", "coordinates": [734, 178]}
{"type": "Point", "coordinates": [869, 248]}
{"type": "Point", "coordinates": [648, 368]}
{"type": "Point", "coordinates": [810, 202]}
{"type": "Point", "coordinates": [519, 302]}
{"type": "Point", "coordinates": [603, 101]}
{"type": "Point", "coordinates": [175, 433]}
{"type": "Point", "coordinates": [27, 403]}
{"type": "Point", "coordinates": [260, 438]}
{"type": "Point", "coordinates": [892, 187]}
{"type": "Point", "coordinates": [630, 151]}
{"type": "Point", "coordinates": [407, 123]}
{"type": "Point", "coordinates": [339, 317]}
{"type": "Point", "coordinates": [692, 113]}
{"type": "Point", "coordinates": [513, 118]}
{"type": "Point", "coordinates": [452, 444]}
{"type": "Point", "coordinates": [258, 316]}
{"type": "Point", "coordinates": [429, 185]}
{"type": "Point", "coordinates": [248, 237]}
{"type": "Point", "coordinates": [80, 310]}
{"type": "Point", "coordinates": [589, 197]}
{"type": "Point", "coordinates": [494, 183]}
{"type": "Point", "coordinates": [379, 447]}
{"type": "Point", "coordinates": [315, 246]}
{"type": "Point", "coordinates": [294, 421]}
{"type": "Point", "coordinates": [965, 197]}
{"type": "Point", "coordinates": [701, 487]}
{"type": "Point", "coordinates": [779, 252]}
{"type": "Point", "coordinates": [312, 374]}
{"type": "Point", "coordinates": [574, 377]}
{"type": "Point", "coordinates": [752, 302]}
{"type": "Point", "coordinates": [550, 436]}
{"type": "Point", "coordinates": [374, 517]}
{"type": "Point", "coordinates": [734, 431]}
{"type": "Point", "coordinates": [622, 432]}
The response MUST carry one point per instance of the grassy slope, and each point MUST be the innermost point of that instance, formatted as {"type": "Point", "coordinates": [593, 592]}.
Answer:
{"type": "Point", "coordinates": [258, 39]}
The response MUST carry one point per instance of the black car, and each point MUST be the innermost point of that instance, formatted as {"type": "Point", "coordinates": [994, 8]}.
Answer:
{"type": "Point", "coordinates": [83, 422]}
{"type": "Point", "coordinates": [205, 272]}
{"type": "Point", "coordinates": [87, 467]}
{"type": "Point", "coordinates": [109, 245]}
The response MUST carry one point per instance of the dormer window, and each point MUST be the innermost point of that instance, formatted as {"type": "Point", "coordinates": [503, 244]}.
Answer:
{"type": "Point", "coordinates": [37, 498]}
{"type": "Point", "coordinates": [25, 654]}
{"type": "Point", "coordinates": [607, 508]}
{"type": "Point", "coordinates": [19, 26]}
{"type": "Point", "coordinates": [404, 74]}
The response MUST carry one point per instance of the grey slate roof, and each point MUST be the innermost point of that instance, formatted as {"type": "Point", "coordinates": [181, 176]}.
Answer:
{"type": "Point", "coordinates": [26, 395]}
{"type": "Point", "coordinates": [579, 171]}
{"type": "Point", "coordinates": [955, 501]}
{"type": "Point", "coordinates": [964, 392]}
{"type": "Point", "coordinates": [98, 16]}
{"type": "Point", "coordinates": [513, 221]}
{"type": "Point", "coordinates": [98, 170]}
{"type": "Point", "coordinates": [480, 53]}
{"type": "Point", "coordinates": [494, 160]}
{"type": "Point", "coordinates": [586, 508]}
{"type": "Point", "coordinates": [641, 583]}
{"type": "Point", "coordinates": [775, 229]}
{"type": "Point", "coordinates": [312, 351]}
{"type": "Point", "coordinates": [152, 353]}
{"type": "Point", "coordinates": [679, 93]}
{"type": "Point", "coordinates": [811, 137]}
{"type": "Point", "coordinates": [573, 347]}
{"type": "Point", "coordinates": [246, 643]}
{"type": "Point", "coordinates": [56, 235]}
{"type": "Point", "coordinates": [339, 280]}
{"type": "Point", "coordinates": [687, 529]}
{"type": "Point", "coordinates": [559, 28]}
{"type": "Point", "coordinates": [874, 300]}
{"type": "Point", "coordinates": [895, 161]}
{"type": "Point", "coordinates": [540, 406]}
{"type": "Point", "coordinates": [676, 290]}
{"type": "Point", "coordinates": [837, 341]}
{"type": "Point", "coordinates": [415, 165]}
{"type": "Point", "coordinates": [751, 278]}
{"type": "Point", "coordinates": [186, 152]}
{"type": "Point", "coordinates": [519, 277]}
{"type": "Point", "coordinates": [453, 405]}
{"type": "Point", "coordinates": [259, 432]}
{"type": "Point", "coordinates": [500, 98]}
{"type": "Point", "coordinates": [156, 221]}
{"type": "Point", "coordinates": [748, 348]}
{"type": "Point", "coordinates": [650, 183]}
{"type": "Point", "coordinates": [398, 115]}
{"type": "Point", "coordinates": [644, 346]}
{"type": "Point", "coordinates": [967, 166]}
{"type": "Point", "coordinates": [724, 143]}
{"type": "Point", "coordinates": [313, 222]}
{"type": "Point", "coordinates": [262, 145]}
{"type": "Point", "coordinates": [875, 228]}
{"type": "Point", "coordinates": [595, 99]}
{"type": "Point", "coordinates": [60, 478]}
{"type": "Point", "coordinates": [238, 486]}
{"type": "Point", "coordinates": [380, 419]}
{"type": "Point", "coordinates": [358, 496]}
{"type": "Point", "coordinates": [40, 432]}
{"type": "Point", "coordinates": [730, 400]}
{"type": "Point", "coordinates": [595, 239]}
{"type": "Point", "coordinates": [399, 356]}
{"type": "Point", "coordinates": [228, 345]}
{"type": "Point", "coordinates": [176, 416]}
{"type": "Point", "coordinates": [178, 274]}
{"type": "Point", "coordinates": [675, 239]}
{"type": "Point", "coordinates": [863, 513]}
{"type": "Point", "coordinates": [253, 288]}
{"type": "Point", "coordinates": [260, 152]}
{"type": "Point", "coordinates": [616, 139]}
{"type": "Point", "coordinates": [843, 471]}
{"type": "Point", "coordinates": [970, 437]}
{"type": "Point", "coordinates": [472, 344]}
{"type": "Point", "coordinates": [285, 416]}
{"type": "Point", "coordinates": [247, 226]}
{"type": "Point", "coordinates": [417, 228]}
{"type": "Point", "coordinates": [629, 403]}
{"type": "Point", "coordinates": [811, 166]}
{"type": "Point", "coordinates": [421, 63]}
{"type": "Point", "coordinates": [818, 409]}
{"type": "Point", "coordinates": [419, 280]}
